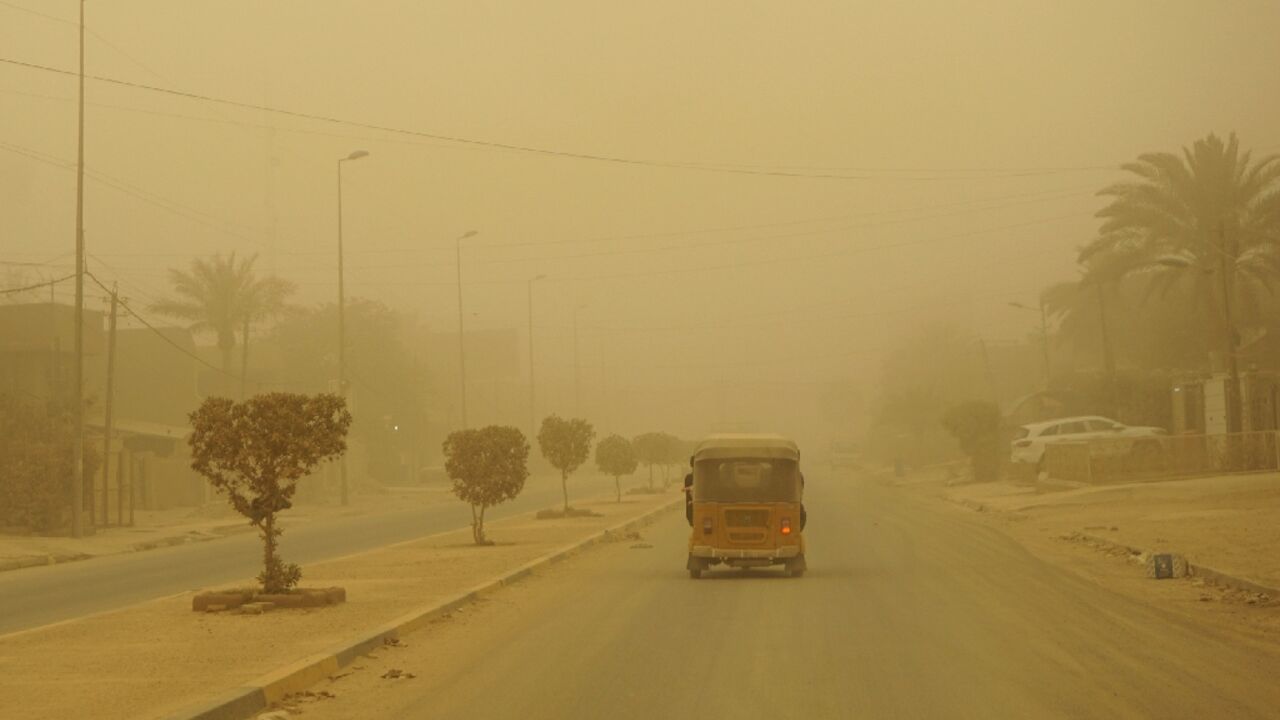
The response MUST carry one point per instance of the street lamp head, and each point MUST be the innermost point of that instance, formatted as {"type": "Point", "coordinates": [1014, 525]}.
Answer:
{"type": "Point", "coordinates": [539, 277]}
{"type": "Point", "coordinates": [357, 154]}
{"type": "Point", "coordinates": [467, 234]}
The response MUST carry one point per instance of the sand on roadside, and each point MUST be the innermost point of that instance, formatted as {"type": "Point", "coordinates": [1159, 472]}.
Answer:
{"type": "Point", "coordinates": [159, 656]}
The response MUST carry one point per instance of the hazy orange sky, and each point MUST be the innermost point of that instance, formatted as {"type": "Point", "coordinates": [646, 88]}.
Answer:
{"type": "Point", "coordinates": [969, 137]}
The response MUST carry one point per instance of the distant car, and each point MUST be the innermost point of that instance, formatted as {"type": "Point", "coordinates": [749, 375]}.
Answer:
{"type": "Point", "coordinates": [1030, 441]}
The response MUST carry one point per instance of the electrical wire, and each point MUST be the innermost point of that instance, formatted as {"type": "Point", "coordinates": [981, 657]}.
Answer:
{"type": "Point", "coordinates": [159, 333]}
{"type": "Point", "coordinates": [192, 214]}
{"type": "Point", "coordinates": [529, 149]}
{"type": "Point", "coordinates": [37, 286]}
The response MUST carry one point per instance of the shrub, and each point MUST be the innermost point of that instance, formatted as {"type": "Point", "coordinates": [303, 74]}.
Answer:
{"type": "Point", "coordinates": [616, 457]}
{"type": "Point", "coordinates": [488, 466]}
{"type": "Point", "coordinates": [976, 425]}
{"type": "Point", "coordinates": [36, 452]}
{"type": "Point", "coordinates": [565, 444]}
{"type": "Point", "coordinates": [255, 451]}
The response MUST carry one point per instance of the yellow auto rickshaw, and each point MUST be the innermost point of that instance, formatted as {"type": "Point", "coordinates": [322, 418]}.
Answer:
{"type": "Point", "coordinates": [744, 502]}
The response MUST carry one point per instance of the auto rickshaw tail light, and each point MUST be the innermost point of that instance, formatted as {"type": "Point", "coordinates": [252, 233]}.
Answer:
{"type": "Point", "coordinates": [706, 526]}
{"type": "Point", "coordinates": [786, 526]}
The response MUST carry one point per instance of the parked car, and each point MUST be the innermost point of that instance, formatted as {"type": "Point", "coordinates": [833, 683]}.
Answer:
{"type": "Point", "coordinates": [1030, 440]}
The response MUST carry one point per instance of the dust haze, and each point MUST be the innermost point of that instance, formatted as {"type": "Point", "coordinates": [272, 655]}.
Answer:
{"type": "Point", "coordinates": [963, 312]}
{"type": "Point", "coordinates": [902, 164]}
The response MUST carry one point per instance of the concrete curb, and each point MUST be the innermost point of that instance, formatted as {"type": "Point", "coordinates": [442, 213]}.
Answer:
{"type": "Point", "coordinates": [26, 561]}
{"type": "Point", "coordinates": [191, 537]}
{"type": "Point", "coordinates": [258, 695]}
{"type": "Point", "coordinates": [1193, 569]}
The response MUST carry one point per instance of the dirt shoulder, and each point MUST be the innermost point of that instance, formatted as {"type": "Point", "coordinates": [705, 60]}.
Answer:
{"type": "Point", "coordinates": [1228, 523]}
{"type": "Point", "coordinates": [163, 528]}
{"type": "Point", "coordinates": [159, 657]}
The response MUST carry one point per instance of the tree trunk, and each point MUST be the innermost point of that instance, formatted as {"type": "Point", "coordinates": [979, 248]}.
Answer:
{"type": "Point", "coordinates": [1108, 353]}
{"type": "Point", "coordinates": [564, 487]}
{"type": "Point", "coordinates": [1235, 411]}
{"type": "Point", "coordinates": [617, 485]}
{"type": "Point", "coordinates": [244, 358]}
{"type": "Point", "coordinates": [650, 476]}
{"type": "Point", "coordinates": [269, 560]}
{"type": "Point", "coordinates": [226, 343]}
{"type": "Point", "coordinates": [477, 525]}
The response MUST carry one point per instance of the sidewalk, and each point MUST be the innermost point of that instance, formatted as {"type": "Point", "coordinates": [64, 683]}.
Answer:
{"type": "Point", "coordinates": [159, 657]}
{"type": "Point", "coordinates": [1228, 523]}
{"type": "Point", "coordinates": [216, 519]}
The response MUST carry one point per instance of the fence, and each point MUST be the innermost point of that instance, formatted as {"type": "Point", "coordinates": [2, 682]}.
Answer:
{"type": "Point", "coordinates": [1107, 460]}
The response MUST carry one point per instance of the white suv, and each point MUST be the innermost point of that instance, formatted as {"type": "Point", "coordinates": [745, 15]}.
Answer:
{"type": "Point", "coordinates": [1030, 440]}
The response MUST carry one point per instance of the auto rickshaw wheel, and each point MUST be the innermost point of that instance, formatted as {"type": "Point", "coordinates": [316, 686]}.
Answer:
{"type": "Point", "coordinates": [695, 572]}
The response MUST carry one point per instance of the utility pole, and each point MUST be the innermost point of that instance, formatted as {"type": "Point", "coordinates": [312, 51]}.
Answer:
{"type": "Point", "coordinates": [1044, 345]}
{"type": "Point", "coordinates": [606, 412]}
{"type": "Point", "coordinates": [342, 322]}
{"type": "Point", "coordinates": [462, 348]}
{"type": "Point", "coordinates": [462, 344]}
{"type": "Point", "coordinates": [991, 375]}
{"type": "Point", "coordinates": [1044, 336]}
{"type": "Point", "coordinates": [533, 398]}
{"type": "Point", "coordinates": [244, 356]}
{"type": "Point", "coordinates": [577, 366]}
{"type": "Point", "coordinates": [107, 407]}
{"type": "Point", "coordinates": [77, 450]}
{"type": "Point", "coordinates": [55, 348]}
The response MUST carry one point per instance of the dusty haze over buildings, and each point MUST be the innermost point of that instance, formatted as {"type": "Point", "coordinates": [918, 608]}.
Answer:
{"type": "Point", "coordinates": [742, 203]}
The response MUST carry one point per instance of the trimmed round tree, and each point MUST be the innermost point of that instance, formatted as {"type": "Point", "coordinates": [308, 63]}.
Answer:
{"type": "Point", "coordinates": [616, 457]}
{"type": "Point", "coordinates": [255, 451]}
{"type": "Point", "coordinates": [975, 424]}
{"type": "Point", "coordinates": [565, 444]}
{"type": "Point", "coordinates": [673, 455]}
{"type": "Point", "coordinates": [488, 466]}
{"type": "Point", "coordinates": [649, 450]}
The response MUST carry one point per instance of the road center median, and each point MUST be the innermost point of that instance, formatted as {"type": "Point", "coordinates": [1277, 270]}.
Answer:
{"type": "Point", "coordinates": [159, 659]}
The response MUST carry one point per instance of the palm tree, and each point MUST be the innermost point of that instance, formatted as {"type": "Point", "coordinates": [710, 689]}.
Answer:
{"type": "Point", "coordinates": [263, 298]}
{"type": "Point", "coordinates": [1199, 223]}
{"type": "Point", "coordinates": [222, 295]}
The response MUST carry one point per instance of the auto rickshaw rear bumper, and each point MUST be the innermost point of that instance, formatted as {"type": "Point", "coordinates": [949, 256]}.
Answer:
{"type": "Point", "coordinates": [715, 553]}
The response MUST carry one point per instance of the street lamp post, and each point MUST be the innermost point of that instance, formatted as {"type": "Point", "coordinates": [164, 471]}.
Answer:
{"type": "Point", "coordinates": [342, 319]}
{"type": "Point", "coordinates": [577, 365]}
{"type": "Point", "coordinates": [77, 450]}
{"type": "Point", "coordinates": [533, 407]}
{"type": "Point", "coordinates": [1044, 336]}
{"type": "Point", "coordinates": [462, 352]}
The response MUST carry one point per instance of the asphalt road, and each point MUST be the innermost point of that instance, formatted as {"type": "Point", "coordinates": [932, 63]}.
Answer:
{"type": "Point", "coordinates": [907, 611]}
{"type": "Point", "coordinates": [38, 596]}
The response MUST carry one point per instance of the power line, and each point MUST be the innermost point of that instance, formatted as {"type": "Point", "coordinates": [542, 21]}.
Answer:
{"type": "Point", "coordinates": [37, 286]}
{"type": "Point", "coordinates": [196, 216]}
{"type": "Point", "coordinates": [89, 31]}
{"type": "Point", "coordinates": [161, 334]}
{"type": "Point", "coordinates": [594, 157]}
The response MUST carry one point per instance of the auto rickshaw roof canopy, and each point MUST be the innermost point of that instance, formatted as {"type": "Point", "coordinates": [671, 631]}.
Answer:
{"type": "Point", "coordinates": [774, 447]}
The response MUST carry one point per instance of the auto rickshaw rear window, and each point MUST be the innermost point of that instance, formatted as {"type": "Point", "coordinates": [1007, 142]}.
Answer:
{"type": "Point", "coordinates": [746, 480]}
